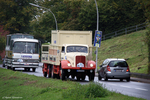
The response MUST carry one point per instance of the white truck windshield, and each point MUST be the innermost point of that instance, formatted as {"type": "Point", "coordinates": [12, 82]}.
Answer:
{"type": "Point", "coordinates": [77, 49]}
{"type": "Point", "coordinates": [26, 47]}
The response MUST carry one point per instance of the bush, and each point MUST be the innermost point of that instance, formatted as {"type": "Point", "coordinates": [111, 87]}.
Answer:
{"type": "Point", "coordinates": [80, 92]}
{"type": "Point", "coordinates": [96, 90]}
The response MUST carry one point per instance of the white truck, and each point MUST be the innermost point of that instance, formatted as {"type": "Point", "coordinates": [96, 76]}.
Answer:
{"type": "Point", "coordinates": [69, 54]}
{"type": "Point", "coordinates": [22, 51]}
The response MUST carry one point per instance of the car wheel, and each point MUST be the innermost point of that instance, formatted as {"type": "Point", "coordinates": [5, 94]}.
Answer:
{"type": "Point", "coordinates": [128, 79]}
{"type": "Point", "coordinates": [105, 77]}
{"type": "Point", "coordinates": [99, 77]}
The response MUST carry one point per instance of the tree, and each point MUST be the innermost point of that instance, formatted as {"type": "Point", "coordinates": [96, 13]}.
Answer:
{"type": "Point", "coordinates": [15, 15]}
{"type": "Point", "coordinates": [2, 42]}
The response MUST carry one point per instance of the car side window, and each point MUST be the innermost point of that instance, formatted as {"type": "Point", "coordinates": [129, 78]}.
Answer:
{"type": "Point", "coordinates": [105, 62]}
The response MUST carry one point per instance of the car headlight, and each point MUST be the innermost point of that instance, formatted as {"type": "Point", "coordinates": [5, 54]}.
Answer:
{"type": "Point", "coordinates": [69, 64]}
{"type": "Point", "coordinates": [91, 65]}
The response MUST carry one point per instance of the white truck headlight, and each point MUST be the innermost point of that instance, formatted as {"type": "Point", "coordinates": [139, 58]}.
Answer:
{"type": "Point", "coordinates": [91, 65]}
{"type": "Point", "coordinates": [69, 64]}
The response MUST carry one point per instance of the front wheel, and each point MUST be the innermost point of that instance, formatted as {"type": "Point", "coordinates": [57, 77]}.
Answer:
{"type": "Point", "coordinates": [33, 69]}
{"type": "Point", "coordinates": [99, 77]}
{"type": "Point", "coordinates": [91, 77]}
{"type": "Point", "coordinates": [63, 75]}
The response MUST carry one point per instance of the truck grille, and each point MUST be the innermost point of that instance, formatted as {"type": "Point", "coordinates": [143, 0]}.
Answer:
{"type": "Point", "coordinates": [80, 59]}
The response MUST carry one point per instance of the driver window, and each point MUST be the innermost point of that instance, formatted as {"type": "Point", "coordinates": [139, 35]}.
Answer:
{"type": "Point", "coordinates": [63, 50]}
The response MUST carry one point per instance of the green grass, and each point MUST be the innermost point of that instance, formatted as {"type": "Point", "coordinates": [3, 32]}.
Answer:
{"type": "Point", "coordinates": [130, 47]}
{"type": "Point", "coordinates": [14, 84]}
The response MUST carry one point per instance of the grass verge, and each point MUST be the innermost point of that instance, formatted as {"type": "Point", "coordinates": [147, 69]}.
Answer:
{"type": "Point", "coordinates": [130, 47]}
{"type": "Point", "coordinates": [17, 85]}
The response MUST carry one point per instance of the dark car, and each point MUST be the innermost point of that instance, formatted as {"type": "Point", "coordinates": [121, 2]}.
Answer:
{"type": "Point", "coordinates": [114, 69]}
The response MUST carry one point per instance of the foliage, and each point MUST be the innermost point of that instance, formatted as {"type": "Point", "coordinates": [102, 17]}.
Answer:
{"type": "Point", "coordinates": [2, 42]}
{"type": "Point", "coordinates": [145, 5]}
{"type": "Point", "coordinates": [96, 90]}
{"type": "Point", "coordinates": [29, 87]}
{"type": "Point", "coordinates": [81, 15]}
{"type": "Point", "coordinates": [130, 47]}
{"type": "Point", "coordinates": [91, 91]}
{"type": "Point", "coordinates": [15, 15]}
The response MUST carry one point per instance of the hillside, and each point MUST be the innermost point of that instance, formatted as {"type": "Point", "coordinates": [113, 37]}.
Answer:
{"type": "Point", "coordinates": [130, 47]}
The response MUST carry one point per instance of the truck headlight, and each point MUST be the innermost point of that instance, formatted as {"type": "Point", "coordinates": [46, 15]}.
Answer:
{"type": "Point", "coordinates": [69, 64]}
{"type": "Point", "coordinates": [91, 65]}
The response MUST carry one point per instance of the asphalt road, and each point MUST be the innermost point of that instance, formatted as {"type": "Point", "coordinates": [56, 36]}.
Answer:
{"type": "Point", "coordinates": [135, 89]}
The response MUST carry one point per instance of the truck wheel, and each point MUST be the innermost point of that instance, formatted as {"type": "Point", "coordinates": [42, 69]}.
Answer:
{"type": "Point", "coordinates": [78, 78]}
{"type": "Point", "coordinates": [83, 77]}
{"type": "Point", "coordinates": [27, 69]}
{"type": "Point", "coordinates": [49, 72]}
{"type": "Point", "coordinates": [52, 73]}
{"type": "Point", "coordinates": [73, 76]}
{"type": "Point", "coordinates": [63, 75]}
{"type": "Point", "coordinates": [33, 69]}
{"type": "Point", "coordinates": [91, 77]}
{"type": "Point", "coordinates": [45, 74]}
{"type": "Point", "coordinates": [8, 67]}
{"type": "Point", "coordinates": [13, 68]}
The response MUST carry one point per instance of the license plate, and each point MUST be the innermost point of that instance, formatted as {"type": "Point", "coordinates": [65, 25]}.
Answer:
{"type": "Point", "coordinates": [26, 64]}
{"type": "Point", "coordinates": [80, 70]}
{"type": "Point", "coordinates": [119, 70]}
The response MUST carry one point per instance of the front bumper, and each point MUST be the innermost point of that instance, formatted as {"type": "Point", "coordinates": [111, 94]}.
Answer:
{"type": "Point", "coordinates": [23, 65]}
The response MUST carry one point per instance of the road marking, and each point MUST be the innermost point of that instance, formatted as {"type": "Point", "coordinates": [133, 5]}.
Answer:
{"type": "Point", "coordinates": [141, 89]}
{"type": "Point", "coordinates": [125, 86]}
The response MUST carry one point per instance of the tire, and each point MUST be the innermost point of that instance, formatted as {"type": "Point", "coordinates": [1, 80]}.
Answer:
{"type": "Point", "coordinates": [3, 64]}
{"type": "Point", "coordinates": [121, 80]}
{"type": "Point", "coordinates": [13, 68]}
{"type": "Point", "coordinates": [8, 67]}
{"type": "Point", "coordinates": [99, 77]}
{"type": "Point", "coordinates": [91, 77]}
{"type": "Point", "coordinates": [128, 79]}
{"type": "Point", "coordinates": [45, 74]}
{"type": "Point", "coordinates": [83, 77]}
{"type": "Point", "coordinates": [63, 75]}
{"type": "Point", "coordinates": [78, 78]}
{"type": "Point", "coordinates": [72, 76]}
{"type": "Point", "coordinates": [49, 73]}
{"type": "Point", "coordinates": [27, 69]}
{"type": "Point", "coordinates": [52, 73]}
{"type": "Point", "coordinates": [33, 69]}
{"type": "Point", "coordinates": [105, 77]}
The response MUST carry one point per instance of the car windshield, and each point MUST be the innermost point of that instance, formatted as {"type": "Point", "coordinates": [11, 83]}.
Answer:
{"type": "Point", "coordinates": [118, 63]}
{"type": "Point", "coordinates": [77, 49]}
{"type": "Point", "coordinates": [26, 47]}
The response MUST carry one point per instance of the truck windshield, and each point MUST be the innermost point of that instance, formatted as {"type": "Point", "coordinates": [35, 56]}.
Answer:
{"type": "Point", "coordinates": [26, 47]}
{"type": "Point", "coordinates": [77, 49]}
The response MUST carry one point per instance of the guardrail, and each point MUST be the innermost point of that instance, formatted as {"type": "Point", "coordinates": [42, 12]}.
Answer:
{"type": "Point", "coordinates": [140, 75]}
{"type": "Point", "coordinates": [124, 31]}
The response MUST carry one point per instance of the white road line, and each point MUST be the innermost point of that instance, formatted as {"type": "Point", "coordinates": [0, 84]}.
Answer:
{"type": "Point", "coordinates": [141, 89]}
{"type": "Point", "coordinates": [112, 84]}
{"type": "Point", "coordinates": [125, 86]}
